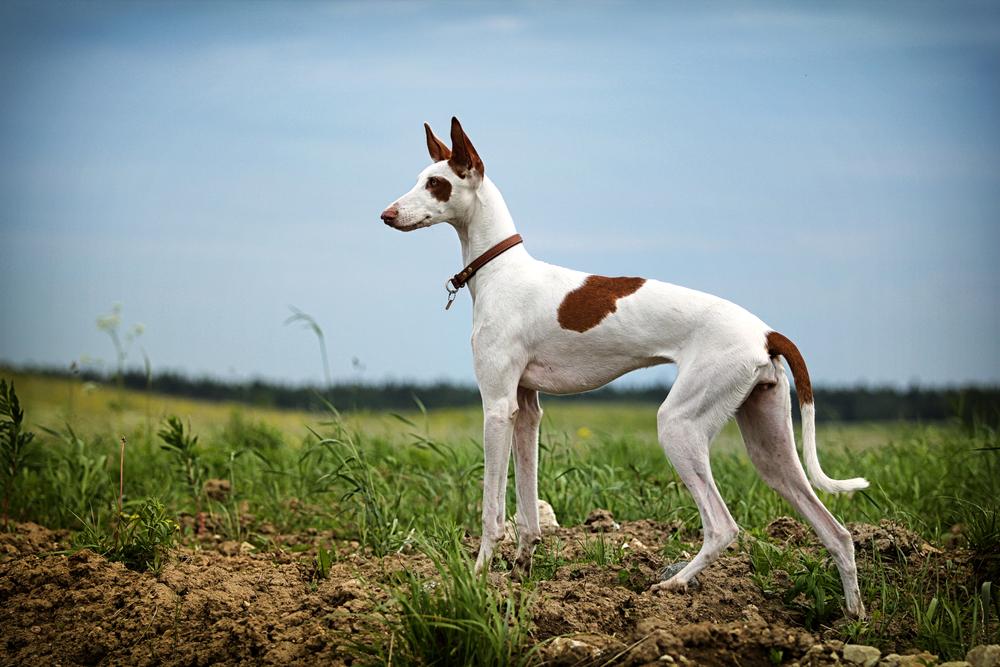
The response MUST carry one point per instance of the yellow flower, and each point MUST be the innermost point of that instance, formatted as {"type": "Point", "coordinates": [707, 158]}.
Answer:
{"type": "Point", "coordinates": [584, 432]}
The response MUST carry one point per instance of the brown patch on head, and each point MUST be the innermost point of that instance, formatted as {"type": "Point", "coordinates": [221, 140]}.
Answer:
{"type": "Point", "coordinates": [464, 157]}
{"type": "Point", "coordinates": [779, 344]}
{"type": "Point", "coordinates": [439, 187]}
{"type": "Point", "coordinates": [435, 146]}
{"type": "Point", "coordinates": [587, 305]}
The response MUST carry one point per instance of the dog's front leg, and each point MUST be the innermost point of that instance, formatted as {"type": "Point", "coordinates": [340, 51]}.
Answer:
{"type": "Point", "coordinates": [498, 428]}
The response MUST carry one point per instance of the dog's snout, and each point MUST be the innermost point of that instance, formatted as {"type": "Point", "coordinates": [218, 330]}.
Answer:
{"type": "Point", "coordinates": [390, 214]}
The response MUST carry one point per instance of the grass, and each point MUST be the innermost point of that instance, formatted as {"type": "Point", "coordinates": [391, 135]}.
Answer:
{"type": "Point", "coordinates": [453, 617]}
{"type": "Point", "coordinates": [371, 477]}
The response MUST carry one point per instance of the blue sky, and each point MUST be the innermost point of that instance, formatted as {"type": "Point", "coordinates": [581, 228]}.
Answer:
{"type": "Point", "coordinates": [835, 169]}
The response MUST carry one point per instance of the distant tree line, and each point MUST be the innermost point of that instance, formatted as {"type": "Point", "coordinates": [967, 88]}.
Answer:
{"type": "Point", "coordinates": [859, 403]}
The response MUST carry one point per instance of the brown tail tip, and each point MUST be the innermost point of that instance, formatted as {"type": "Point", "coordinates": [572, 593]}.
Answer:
{"type": "Point", "coordinates": [779, 344]}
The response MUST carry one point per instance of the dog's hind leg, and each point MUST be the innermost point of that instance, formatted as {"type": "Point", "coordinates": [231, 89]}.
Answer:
{"type": "Point", "coordinates": [529, 416]}
{"type": "Point", "coordinates": [700, 402]}
{"type": "Point", "coordinates": [765, 420]}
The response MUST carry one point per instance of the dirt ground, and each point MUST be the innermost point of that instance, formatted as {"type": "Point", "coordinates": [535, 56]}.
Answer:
{"type": "Point", "coordinates": [226, 603]}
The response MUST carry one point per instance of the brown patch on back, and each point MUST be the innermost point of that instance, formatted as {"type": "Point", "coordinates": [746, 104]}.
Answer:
{"type": "Point", "coordinates": [587, 305]}
{"type": "Point", "coordinates": [779, 344]}
{"type": "Point", "coordinates": [440, 188]}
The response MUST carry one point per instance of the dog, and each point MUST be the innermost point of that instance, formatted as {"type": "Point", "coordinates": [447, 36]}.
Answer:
{"type": "Point", "coordinates": [540, 328]}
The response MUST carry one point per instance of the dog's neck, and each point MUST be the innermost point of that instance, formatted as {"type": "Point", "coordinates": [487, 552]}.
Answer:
{"type": "Point", "coordinates": [488, 223]}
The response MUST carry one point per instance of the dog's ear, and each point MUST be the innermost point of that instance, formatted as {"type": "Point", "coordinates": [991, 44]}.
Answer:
{"type": "Point", "coordinates": [464, 158]}
{"type": "Point", "coordinates": [435, 146]}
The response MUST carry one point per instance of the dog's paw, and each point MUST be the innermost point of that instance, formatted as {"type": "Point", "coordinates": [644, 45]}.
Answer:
{"type": "Point", "coordinates": [669, 582]}
{"type": "Point", "coordinates": [858, 613]}
{"type": "Point", "coordinates": [669, 586]}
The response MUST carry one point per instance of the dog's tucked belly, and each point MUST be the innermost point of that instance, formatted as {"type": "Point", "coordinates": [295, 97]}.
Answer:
{"type": "Point", "coordinates": [551, 377]}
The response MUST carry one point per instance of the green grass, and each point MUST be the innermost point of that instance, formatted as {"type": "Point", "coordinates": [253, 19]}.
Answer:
{"type": "Point", "coordinates": [453, 617]}
{"type": "Point", "coordinates": [372, 477]}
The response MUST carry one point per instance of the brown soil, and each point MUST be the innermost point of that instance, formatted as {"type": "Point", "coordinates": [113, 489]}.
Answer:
{"type": "Point", "coordinates": [230, 604]}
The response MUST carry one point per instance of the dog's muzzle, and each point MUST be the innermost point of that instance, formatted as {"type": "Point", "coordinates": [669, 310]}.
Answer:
{"type": "Point", "coordinates": [390, 215]}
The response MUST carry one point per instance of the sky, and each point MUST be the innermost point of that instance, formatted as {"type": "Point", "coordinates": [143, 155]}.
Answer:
{"type": "Point", "coordinates": [832, 167]}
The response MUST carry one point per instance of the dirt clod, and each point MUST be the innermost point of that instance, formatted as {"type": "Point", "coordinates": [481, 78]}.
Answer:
{"type": "Point", "coordinates": [217, 489]}
{"type": "Point", "coordinates": [601, 520]}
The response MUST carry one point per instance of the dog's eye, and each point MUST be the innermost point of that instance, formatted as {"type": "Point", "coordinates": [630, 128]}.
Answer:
{"type": "Point", "coordinates": [432, 181]}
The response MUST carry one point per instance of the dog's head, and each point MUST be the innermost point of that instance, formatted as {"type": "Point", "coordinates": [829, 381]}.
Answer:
{"type": "Point", "coordinates": [446, 190]}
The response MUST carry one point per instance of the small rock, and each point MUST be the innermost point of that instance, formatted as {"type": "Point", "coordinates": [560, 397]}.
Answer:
{"type": "Point", "coordinates": [956, 663]}
{"type": "Point", "coordinates": [859, 654]}
{"type": "Point", "coordinates": [36, 629]}
{"type": "Point", "coordinates": [564, 648]}
{"type": "Point", "coordinates": [546, 517]}
{"type": "Point", "coordinates": [673, 569]}
{"type": "Point", "coordinates": [601, 520]}
{"type": "Point", "coordinates": [914, 660]}
{"type": "Point", "coordinates": [815, 651]}
{"type": "Point", "coordinates": [984, 655]}
{"type": "Point", "coordinates": [546, 522]}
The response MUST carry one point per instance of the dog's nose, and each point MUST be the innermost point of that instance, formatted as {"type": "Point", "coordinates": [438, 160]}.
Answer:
{"type": "Point", "coordinates": [390, 214]}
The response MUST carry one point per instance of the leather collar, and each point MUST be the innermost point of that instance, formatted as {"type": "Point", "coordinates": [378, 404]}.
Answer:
{"type": "Point", "coordinates": [459, 280]}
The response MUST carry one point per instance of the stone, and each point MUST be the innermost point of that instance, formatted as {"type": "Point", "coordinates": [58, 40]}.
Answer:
{"type": "Point", "coordinates": [984, 655]}
{"type": "Point", "coordinates": [566, 648]}
{"type": "Point", "coordinates": [921, 659]}
{"type": "Point", "coordinates": [546, 517]}
{"type": "Point", "coordinates": [546, 522]}
{"type": "Point", "coordinates": [956, 663]}
{"type": "Point", "coordinates": [673, 569]}
{"type": "Point", "coordinates": [859, 654]}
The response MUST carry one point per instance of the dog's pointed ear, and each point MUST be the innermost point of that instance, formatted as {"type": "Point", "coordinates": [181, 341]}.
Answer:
{"type": "Point", "coordinates": [435, 146]}
{"type": "Point", "coordinates": [464, 157]}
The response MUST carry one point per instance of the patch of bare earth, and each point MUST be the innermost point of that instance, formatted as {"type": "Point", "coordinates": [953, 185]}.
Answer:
{"type": "Point", "coordinates": [231, 605]}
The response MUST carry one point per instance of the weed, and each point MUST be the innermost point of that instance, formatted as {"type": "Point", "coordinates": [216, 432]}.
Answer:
{"type": "Point", "coordinates": [183, 447]}
{"type": "Point", "coordinates": [815, 588]}
{"type": "Point", "coordinates": [144, 537]}
{"type": "Point", "coordinates": [324, 558]}
{"type": "Point", "coordinates": [807, 584]}
{"type": "Point", "coordinates": [13, 442]}
{"type": "Point", "coordinates": [109, 324]}
{"type": "Point", "coordinates": [601, 551]}
{"type": "Point", "coordinates": [548, 558]}
{"type": "Point", "coordinates": [455, 618]}
{"type": "Point", "coordinates": [307, 320]}
{"type": "Point", "coordinates": [77, 474]}
{"type": "Point", "coordinates": [379, 504]}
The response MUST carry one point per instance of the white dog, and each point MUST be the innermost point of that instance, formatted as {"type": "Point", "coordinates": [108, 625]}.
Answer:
{"type": "Point", "coordinates": [543, 328]}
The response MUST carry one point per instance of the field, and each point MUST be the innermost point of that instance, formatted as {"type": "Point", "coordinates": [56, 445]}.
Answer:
{"type": "Point", "coordinates": [276, 537]}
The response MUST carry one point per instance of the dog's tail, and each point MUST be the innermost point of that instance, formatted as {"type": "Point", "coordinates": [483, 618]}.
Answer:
{"type": "Point", "coordinates": [778, 344]}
